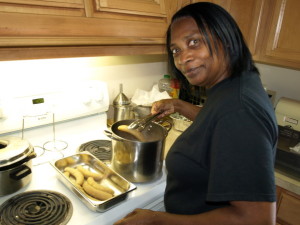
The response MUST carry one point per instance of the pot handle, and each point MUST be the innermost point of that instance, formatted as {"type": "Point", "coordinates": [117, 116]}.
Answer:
{"type": "Point", "coordinates": [165, 123]}
{"type": "Point", "coordinates": [109, 134]}
{"type": "Point", "coordinates": [19, 174]}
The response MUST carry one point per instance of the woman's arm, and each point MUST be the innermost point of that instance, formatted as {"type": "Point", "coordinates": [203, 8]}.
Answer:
{"type": "Point", "coordinates": [238, 213]}
{"type": "Point", "coordinates": [169, 106]}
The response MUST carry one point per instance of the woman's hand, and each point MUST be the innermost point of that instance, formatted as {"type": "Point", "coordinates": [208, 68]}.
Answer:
{"type": "Point", "coordinates": [139, 217]}
{"type": "Point", "coordinates": [169, 106]}
{"type": "Point", "coordinates": [165, 107]}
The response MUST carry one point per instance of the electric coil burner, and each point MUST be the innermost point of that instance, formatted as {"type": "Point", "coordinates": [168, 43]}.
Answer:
{"type": "Point", "coordinates": [102, 149]}
{"type": "Point", "coordinates": [36, 207]}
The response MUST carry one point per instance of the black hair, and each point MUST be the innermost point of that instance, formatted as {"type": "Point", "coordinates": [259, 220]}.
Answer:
{"type": "Point", "coordinates": [217, 25]}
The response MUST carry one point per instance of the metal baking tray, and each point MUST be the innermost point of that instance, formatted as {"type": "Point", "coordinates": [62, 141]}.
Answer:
{"type": "Point", "coordinates": [110, 179]}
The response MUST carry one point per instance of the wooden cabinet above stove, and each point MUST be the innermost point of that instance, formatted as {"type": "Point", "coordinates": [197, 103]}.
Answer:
{"type": "Point", "coordinates": [71, 28]}
{"type": "Point", "coordinates": [269, 27]}
{"type": "Point", "coordinates": [98, 27]}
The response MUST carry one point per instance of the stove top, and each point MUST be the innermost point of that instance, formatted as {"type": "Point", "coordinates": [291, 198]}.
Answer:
{"type": "Point", "coordinates": [36, 207]}
{"type": "Point", "coordinates": [102, 149]}
{"type": "Point", "coordinates": [76, 133]}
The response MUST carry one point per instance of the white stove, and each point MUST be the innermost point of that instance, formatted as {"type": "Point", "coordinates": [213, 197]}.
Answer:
{"type": "Point", "coordinates": [76, 122]}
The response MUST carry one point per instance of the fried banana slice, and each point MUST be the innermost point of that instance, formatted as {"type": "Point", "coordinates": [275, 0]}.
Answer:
{"type": "Point", "coordinates": [77, 174]}
{"type": "Point", "coordinates": [100, 187]}
{"type": "Point", "coordinates": [137, 134]}
{"type": "Point", "coordinates": [86, 173]}
{"type": "Point", "coordinates": [101, 195]}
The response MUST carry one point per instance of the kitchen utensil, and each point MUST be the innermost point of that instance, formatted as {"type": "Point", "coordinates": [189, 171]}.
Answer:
{"type": "Point", "coordinates": [135, 160]}
{"type": "Point", "coordinates": [15, 164]}
{"type": "Point", "coordinates": [122, 106]}
{"type": "Point", "coordinates": [54, 144]}
{"type": "Point", "coordinates": [140, 124]}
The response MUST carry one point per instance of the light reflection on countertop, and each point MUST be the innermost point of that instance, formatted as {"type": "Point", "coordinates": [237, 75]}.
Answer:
{"type": "Point", "coordinates": [172, 136]}
{"type": "Point", "coordinates": [287, 181]}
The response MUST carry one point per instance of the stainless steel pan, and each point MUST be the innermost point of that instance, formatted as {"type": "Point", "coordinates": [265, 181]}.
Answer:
{"type": "Point", "coordinates": [135, 160]}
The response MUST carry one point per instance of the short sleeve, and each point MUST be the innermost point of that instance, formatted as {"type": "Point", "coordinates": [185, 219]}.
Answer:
{"type": "Point", "coordinates": [242, 159]}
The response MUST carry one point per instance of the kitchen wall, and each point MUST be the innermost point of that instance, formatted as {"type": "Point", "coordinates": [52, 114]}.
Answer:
{"type": "Point", "coordinates": [286, 82]}
{"type": "Point", "coordinates": [19, 78]}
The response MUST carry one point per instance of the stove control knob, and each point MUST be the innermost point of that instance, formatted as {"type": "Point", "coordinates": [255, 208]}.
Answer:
{"type": "Point", "coordinates": [98, 96]}
{"type": "Point", "coordinates": [87, 100]}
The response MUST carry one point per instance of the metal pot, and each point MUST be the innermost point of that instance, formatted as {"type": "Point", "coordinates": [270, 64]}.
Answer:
{"type": "Point", "coordinates": [135, 160]}
{"type": "Point", "coordinates": [15, 164]}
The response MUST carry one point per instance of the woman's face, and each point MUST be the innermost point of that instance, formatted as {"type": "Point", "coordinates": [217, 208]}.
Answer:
{"type": "Point", "coordinates": [192, 56]}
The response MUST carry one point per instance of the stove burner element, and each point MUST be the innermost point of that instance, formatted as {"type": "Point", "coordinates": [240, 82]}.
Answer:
{"type": "Point", "coordinates": [36, 207]}
{"type": "Point", "coordinates": [102, 149]}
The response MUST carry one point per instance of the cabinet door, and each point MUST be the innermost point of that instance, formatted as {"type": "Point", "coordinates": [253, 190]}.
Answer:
{"type": "Point", "coordinates": [247, 14]}
{"type": "Point", "coordinates": [154, 8]}
{"type": "Point", "coordinates": [288, 209]}
{"type": "Point", "coordinates": [282, 34]}
{"type": "Point", "coordinates": [174, 6]}
{"type": "Point", "coordinates": [44, 7]}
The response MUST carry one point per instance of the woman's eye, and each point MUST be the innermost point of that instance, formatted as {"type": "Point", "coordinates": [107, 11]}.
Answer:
{"type": "Point", "coordinates": [174, 51]}
{"type": "Point", "coordinates": [193, 42]}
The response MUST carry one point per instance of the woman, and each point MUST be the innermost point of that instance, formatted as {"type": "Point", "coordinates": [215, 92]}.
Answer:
{"type": "Point", "coordinates": [220, 170]}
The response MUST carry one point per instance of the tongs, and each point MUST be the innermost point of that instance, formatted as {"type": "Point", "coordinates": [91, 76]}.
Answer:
{"type": "Point", "coordinates": [140, 124]}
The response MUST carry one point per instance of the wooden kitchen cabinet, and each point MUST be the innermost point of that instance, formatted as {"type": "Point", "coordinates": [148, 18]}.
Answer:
{"type": "Point", "coordinates": [247, 14]}
{"type": "Point", "coordinates": [69, 28]}
{"type": "Point", "coordinates": [81, 22]}
{"type": "Point", "coordinates": [104, 22]}
{"type": "Point", "coordinates": [270, 28]}
{"type": "Point", "coordinates": [44, 7]}
{"type": "Point", "coordinates": [147, 8]}
{"type": "Point", "coordinates": [281, 34]}
{"type": "Point", "coordinates": [288, 207]}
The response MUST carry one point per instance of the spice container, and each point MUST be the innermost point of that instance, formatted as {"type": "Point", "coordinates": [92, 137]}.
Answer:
{"type": "Point", "coordinates": [164, 84]}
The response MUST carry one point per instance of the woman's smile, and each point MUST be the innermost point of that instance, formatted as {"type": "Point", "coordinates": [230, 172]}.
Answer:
{"type": "Point", "coordinates": [192, 72]}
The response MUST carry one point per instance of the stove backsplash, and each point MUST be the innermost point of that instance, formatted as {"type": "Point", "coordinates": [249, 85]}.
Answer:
{"type": "Point", "coordinates": [57, 104]}
{"type": "Point", "coordinates": [72, 87]}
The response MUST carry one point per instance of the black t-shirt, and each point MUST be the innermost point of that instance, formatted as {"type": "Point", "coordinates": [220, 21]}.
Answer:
{"type": "Point", "coordinates": [228, 153]}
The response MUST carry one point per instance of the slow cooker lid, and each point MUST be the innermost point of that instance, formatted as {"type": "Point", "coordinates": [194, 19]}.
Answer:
{"type": "Point", "coordinates": [13, 149]}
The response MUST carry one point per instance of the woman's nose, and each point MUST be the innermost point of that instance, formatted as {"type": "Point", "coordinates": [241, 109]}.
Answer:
{"type": "Point", "coordinates": [185, 57]}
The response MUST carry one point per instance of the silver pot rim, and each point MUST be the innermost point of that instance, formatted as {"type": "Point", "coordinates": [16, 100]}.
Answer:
{"type": "Point", "coordinates": [117, 137]}
{"type": "Point", "coordinates": [14, 149]}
